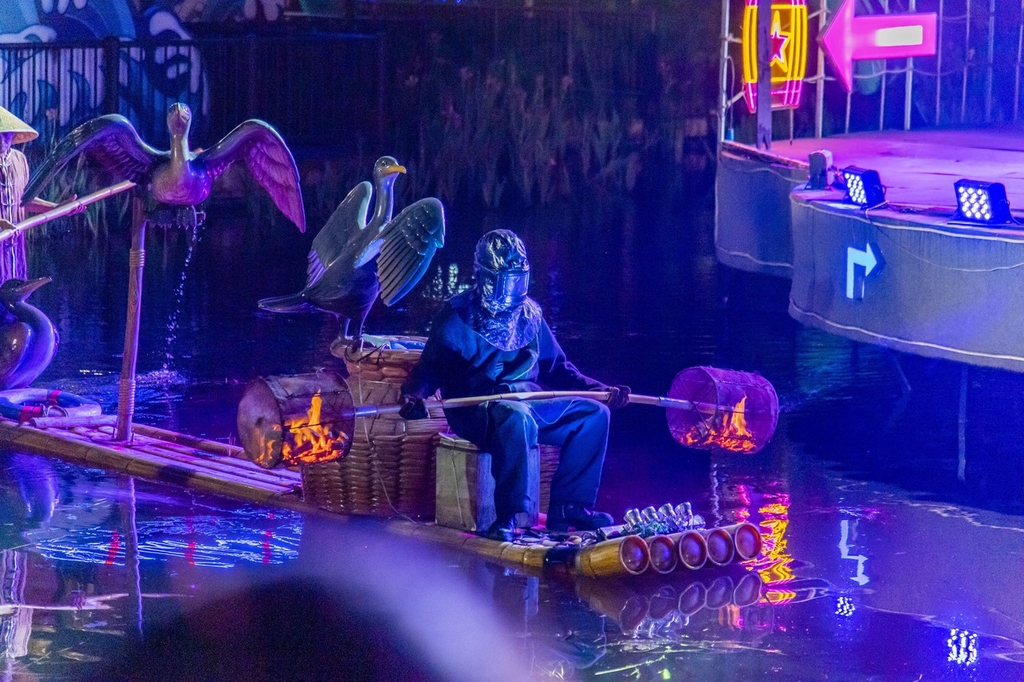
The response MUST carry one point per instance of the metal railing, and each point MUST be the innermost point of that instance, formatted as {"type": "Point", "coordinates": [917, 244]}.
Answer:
{"type": "Point", "coordinates": [56, 86]}
{"type": "Point", "coordinates": [318, 87]}
{"type": "Point", "coordinates": [973, 80]}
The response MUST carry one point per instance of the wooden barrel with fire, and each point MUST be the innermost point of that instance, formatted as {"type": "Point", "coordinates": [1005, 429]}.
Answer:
{"type": "Point", "coordinates": [733, 410]}
{"type": "Point", "coordinates": [296, 420]}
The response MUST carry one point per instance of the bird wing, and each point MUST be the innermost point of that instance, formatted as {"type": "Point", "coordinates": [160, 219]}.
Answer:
{"type": "Point", "coordinates": [268, 159]}
{"type": "Point", "coordinates": [341, 229]}
{"type": "Point", "coordinates": [17, 336]}
{"type": "Point", "coordinates": [408, 244]}
{"type": "Point", "coordinates": [110, 140]}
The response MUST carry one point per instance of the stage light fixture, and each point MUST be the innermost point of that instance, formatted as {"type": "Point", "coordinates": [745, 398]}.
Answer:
{"type": "Point", "coordinates": [863, 187]}
{"type": "Point", "coordinates": [981, 202]}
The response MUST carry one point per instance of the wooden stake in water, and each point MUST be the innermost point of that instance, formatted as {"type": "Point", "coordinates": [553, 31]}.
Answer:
{"type": "Point", "coordinates": [136, 263]}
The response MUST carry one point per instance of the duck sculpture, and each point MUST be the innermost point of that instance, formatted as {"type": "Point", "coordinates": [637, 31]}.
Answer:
{"type": "Point", "coordinates": [179, 177]}
{"type": "Point", "coordinates": [28, 340]}
{"type": "Point", "coordinates": [358, 255]}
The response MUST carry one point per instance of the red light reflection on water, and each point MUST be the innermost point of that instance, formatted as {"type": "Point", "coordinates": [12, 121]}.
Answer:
{"type": "Point", "coordinates": [268, 547]}
{"type": "Point", "coordinates": [115, 547]}
{"type": "Point", "coordinates": [190, 548]}
{"type": "Point", "coordinates": [743, 495]}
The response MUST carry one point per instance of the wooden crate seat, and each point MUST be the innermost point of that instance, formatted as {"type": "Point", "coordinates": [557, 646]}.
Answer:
{"type": "Point", "coordinates": [464, 493]}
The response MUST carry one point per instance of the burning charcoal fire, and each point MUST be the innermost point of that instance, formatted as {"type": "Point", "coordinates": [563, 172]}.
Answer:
{"type": "Point", "coordinates": [734, 410]}
{"type": "Point", "coordinates": [304, 419]}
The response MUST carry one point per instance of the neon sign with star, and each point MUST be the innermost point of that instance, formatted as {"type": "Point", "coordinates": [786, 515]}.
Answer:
{"type": "Point", "coordinates": [788, 51]}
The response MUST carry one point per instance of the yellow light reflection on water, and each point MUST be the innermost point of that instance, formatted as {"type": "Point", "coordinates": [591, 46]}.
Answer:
{"type": "Point", "coordinates": [774, 564]}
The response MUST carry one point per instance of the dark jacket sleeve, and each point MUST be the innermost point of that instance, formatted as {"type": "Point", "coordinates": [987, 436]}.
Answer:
{"type": "Point", "coordinates": [425, 377]}
{"type": "Point", "coordinates": [555, 371]}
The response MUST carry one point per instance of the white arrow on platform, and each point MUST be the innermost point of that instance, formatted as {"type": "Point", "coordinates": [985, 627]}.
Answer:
{"type": "Point", "coordinates": [868, 259]}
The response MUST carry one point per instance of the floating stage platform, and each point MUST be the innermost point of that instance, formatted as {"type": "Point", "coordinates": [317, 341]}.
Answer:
{"type": "Point", "coordinates": [906, 275]}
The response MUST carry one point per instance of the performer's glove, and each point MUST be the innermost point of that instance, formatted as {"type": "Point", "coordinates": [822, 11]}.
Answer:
{"type": "Point", "coordinates": [412, 407]}
{"type": "Point", "coordinates": [618, 396]}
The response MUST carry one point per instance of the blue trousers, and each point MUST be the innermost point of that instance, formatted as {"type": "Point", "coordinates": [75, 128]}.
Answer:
{"type": "Point", "coordinates": [510, 430]}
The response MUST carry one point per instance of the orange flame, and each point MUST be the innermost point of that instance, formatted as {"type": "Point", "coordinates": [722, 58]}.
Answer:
{"type": "Point", "coordinates": [726, 429]}
{"type": "Point", "coordinates": [309, 441]}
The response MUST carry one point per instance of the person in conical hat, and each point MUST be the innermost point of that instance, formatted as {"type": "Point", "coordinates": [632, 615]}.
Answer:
{"type": "Point", "coordinates": [14, 174]}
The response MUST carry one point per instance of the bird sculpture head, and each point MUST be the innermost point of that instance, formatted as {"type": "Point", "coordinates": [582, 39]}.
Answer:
{"type": "Point", "coordinates": [179, 119]}
{"type": "Point", "coordinates": [387, 169]}
{"type": "Point", "coordinates": [15, 291]}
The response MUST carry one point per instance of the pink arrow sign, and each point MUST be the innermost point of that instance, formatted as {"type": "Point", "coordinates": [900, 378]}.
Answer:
{"type": "Point", "coordinates": [876, 36]}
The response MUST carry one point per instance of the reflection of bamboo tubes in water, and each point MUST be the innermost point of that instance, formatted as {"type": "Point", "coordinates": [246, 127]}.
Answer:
{"type": "Point", "coordinates": [692, 599]}
{"type": "Point", "coordinates": [748, 591]}
{"type": "Point", "coordinates": [615, 600]}
{"type": "Point", "coordinates": [720, 547]}
{"type": "Point", "coordinates": [720, 592]}
{"type": "Point", "coordinates": [663, 602]}
{"type": "Point", "coordinates": [691, 548]}
{"type": "Point", "coordinates": [746, 539]}
{"type": "Point", "coordinates": [628, 554]}
{"type": "Point", "coordinates": [662, 550]}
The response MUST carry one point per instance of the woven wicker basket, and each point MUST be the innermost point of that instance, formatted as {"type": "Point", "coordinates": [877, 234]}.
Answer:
{"type": "Point", "coordinates": [390, 468]}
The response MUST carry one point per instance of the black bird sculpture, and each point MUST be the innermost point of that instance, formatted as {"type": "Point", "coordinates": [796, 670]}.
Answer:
{"type": "Point", "coordinates": [353, 260]}
{"type": "Point", "coordinates": [28, 340]}
{"type": "Point", "coordinates": [180, 178]}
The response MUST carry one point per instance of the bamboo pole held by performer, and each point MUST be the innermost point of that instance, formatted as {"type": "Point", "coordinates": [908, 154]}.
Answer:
{"type": "Point", "coordinates": [65, 209]}
{"type": "Point", "coordinates": [659, 401]}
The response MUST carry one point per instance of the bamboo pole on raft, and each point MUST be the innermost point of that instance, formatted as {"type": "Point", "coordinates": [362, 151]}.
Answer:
{"type": "Point", "coordinates": [136, 263]}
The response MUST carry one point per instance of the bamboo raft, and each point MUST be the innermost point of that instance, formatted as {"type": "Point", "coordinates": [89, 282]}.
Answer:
{"type": "Point", "coordinates": [170, 457]}
{"type": "Point", "coordinates": [387, 472]}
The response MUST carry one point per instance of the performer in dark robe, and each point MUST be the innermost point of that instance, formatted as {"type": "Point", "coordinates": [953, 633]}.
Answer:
{"type": "Point", "coordinates": [493, 338]}
{"type": "Point", "coordinates": [14, 175]}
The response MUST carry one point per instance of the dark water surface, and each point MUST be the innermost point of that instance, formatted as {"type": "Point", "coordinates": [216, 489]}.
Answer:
{"type": "Point", "coordinates": [888, 555]}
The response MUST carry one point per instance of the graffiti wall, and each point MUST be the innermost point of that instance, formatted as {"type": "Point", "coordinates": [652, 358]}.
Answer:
{"type": "Point", "coordinates": [48, 20]}
{"type": "Point", "coordinates": [54, 72]}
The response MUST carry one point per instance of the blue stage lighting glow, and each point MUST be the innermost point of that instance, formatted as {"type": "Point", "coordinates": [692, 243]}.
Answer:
{"type": "Point", "coordinates": [863, 187]}
{"type": "Point", "coordinates": [981, 202]}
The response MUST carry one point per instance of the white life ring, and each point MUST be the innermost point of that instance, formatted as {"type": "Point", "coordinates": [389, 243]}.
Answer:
{"type": "Point", "coordinates": [22, 404]}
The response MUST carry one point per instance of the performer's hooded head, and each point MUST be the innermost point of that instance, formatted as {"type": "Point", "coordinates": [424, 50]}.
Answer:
{"type": "Point", "coordinates": [499, 308]}
{"type": "Point", "coordinates": [502, 271]}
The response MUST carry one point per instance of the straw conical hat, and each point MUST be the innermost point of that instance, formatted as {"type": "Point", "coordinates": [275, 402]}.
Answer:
{"type": "Point", "coordinates": [23, 132]}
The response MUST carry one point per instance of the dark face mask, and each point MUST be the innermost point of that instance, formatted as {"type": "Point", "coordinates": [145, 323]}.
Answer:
{"type": "Point", "coordinates": [501, 291]}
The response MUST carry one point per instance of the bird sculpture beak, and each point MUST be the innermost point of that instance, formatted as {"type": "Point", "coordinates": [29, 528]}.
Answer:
{"type": "Point", "coordinates": [26, 288]}
{"type": "Point", "coordinates": [396, 168]}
